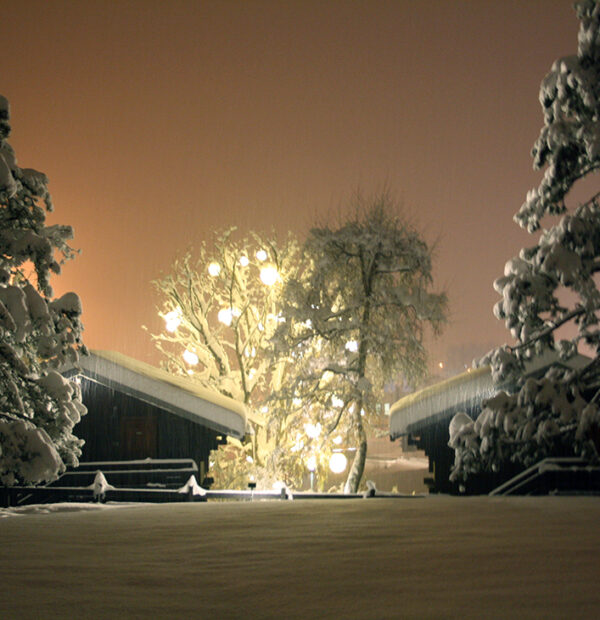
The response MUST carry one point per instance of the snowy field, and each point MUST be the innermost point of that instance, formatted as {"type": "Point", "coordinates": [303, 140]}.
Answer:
{"type": "Point", "coordinates": [431, 557]}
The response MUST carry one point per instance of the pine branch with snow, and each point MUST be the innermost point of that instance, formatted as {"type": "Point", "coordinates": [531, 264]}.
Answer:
{"type": "Point", "coordinates": [550, 298]}
{"type": "Point", "coordinates": [38, 334]}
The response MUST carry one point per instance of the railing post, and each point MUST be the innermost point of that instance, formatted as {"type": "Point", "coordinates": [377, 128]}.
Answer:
{"type": "Point", "coordinates": [5, 495]}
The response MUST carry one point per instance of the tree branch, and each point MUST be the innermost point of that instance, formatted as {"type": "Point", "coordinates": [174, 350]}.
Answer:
{"type": "Point", "coordinates": [549, 329]}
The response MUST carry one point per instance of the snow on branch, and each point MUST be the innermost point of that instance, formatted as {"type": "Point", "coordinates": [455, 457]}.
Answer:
{"type": "Point", "coordinates": [550, 300]}
{"type": "Point", "coordinates": [38, 408]}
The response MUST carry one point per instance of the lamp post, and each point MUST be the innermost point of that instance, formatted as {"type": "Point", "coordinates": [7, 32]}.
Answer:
{"type": "Point", "coordinates": [311, 464]}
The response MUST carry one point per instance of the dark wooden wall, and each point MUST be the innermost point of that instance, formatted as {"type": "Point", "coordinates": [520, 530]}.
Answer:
{"type": "Point", "coordinates": [433, 439]}
{"type": "Point", "coordinates": [119, 427]}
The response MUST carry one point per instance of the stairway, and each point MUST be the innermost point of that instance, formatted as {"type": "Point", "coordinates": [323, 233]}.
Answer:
{"type": "Point", "coordinates": [566, 476]}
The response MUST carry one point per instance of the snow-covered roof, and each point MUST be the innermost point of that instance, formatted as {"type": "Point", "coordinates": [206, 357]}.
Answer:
{"type": "Point", "coordinates": [463, 391]}
{"type": "Point", "coordinates": [155, 386]}
{"type": "Point", "coordinates": [432, 403]}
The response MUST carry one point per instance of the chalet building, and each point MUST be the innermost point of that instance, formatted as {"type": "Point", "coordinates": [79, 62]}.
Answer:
{"type": "Point", "coordinates": [137, 411]}
{"type": "Point", "coordinates": [422, 420]}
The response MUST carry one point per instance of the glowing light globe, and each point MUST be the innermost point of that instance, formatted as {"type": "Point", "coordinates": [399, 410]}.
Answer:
{"type": "Point", "coordinates": [225, 316]}
{"type": "Point", "coordinates": [214, 269]}
{"type": "Point", "coordinates": [338, 462]}
{"type": "Point", "coordinates": [189, 357]}
{"type": "Point", "coordinates": [269, 275]}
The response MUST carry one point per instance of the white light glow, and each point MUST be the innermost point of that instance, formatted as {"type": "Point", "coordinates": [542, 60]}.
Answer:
{"type": "Point", "coordinates": [171, 326]}
{"type": "Point", "coordinates": [337, 440]}
{"type": "Point", "coordinates": [312, 430]}
{"type": "Point", "coordinates": [190, 357]}
{"type": "Point", "coordinates": [352, 346]}
{"type": "Point", "coordinates": [311, 463]}
{"type": "Point", "coordinates": [172, 320]}
{"type": "Point", "coordinates": [269, 275]}
{"type": "Point", "coordinates": [244, 261]}
{"type": "Point", "coordinates": [214, 269]}
{"type": "Point", "coordinates": [338, 462]}
{"type": "Point", "coordinates": [262, 255]}
{"type": "Point", "coordinates": [225, 316]}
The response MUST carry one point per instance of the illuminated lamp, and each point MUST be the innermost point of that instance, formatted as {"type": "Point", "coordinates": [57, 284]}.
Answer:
{"type": "Point", "coordinates": [225, 316]}
{"type": "Point", "coordinates": [338, 462]}
{"type": "Point", "coordinates": [190, 357]}
{"type": "Point", "coordinates": [269, 275]}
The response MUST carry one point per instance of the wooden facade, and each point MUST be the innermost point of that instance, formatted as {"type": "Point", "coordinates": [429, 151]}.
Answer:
{"type": "Point", "coordinates": [422, 419]}
{"type": "Point", "coordinates": [136, 412]}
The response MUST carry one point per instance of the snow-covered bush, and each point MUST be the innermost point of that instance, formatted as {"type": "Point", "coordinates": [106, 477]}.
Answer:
{"type": "Point", "coordinates": [38, 407]}
{"type": "Point", "coordinates": [550, 298]}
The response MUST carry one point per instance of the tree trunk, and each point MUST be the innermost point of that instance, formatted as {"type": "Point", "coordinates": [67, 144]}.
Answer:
{"type": "Point", "coordinates": [358, 464]}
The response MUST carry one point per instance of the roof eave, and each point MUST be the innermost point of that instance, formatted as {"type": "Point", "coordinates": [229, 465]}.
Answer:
{"type": "Point", "coordinates": [219, 413]}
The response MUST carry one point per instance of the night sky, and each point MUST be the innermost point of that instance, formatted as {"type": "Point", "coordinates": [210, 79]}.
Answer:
{"type": "Point", "coordinates": [159, 122]}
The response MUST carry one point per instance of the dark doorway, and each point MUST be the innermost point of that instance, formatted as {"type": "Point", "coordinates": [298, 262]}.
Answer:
{"type": "Point", "coordinates": [138, 437]}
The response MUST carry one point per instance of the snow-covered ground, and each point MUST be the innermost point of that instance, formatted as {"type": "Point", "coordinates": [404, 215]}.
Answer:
{"type": "Point", "coordinates": [431, 557]}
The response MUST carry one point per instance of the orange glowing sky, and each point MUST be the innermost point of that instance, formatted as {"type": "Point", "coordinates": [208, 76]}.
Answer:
{"type": "Point", "coordinates": [159, 122]}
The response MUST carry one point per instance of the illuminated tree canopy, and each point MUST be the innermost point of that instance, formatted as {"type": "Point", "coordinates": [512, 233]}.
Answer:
{"type": "Point", "coordinates": [221, 306]}
{"type": "Point", "coordinates": [356, 319]}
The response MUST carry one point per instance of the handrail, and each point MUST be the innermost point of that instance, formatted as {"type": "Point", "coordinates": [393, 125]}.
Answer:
{"type": "Point", "coordinates": [529, 474]}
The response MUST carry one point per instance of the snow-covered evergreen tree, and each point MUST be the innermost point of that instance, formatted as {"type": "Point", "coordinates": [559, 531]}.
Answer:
{"type": "Point", "coordinates": [221, 306]}
{"type": "Point", "coordinates": [38, 334]}
{"type": "Point", "coordinates": [356, 319]}
{"type": "Point", "coordinates": [550, 298]}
